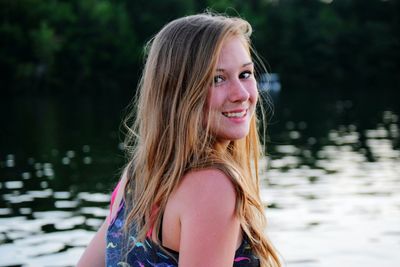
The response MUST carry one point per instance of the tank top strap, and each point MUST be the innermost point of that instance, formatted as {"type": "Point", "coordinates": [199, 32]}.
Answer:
{"type": "Point", "coordinates": [113, 196]}
{"type": "Point", "coordinates": [153, 216]}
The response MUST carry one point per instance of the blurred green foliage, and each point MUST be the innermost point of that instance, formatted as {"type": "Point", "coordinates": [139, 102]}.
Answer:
{"type": "Point", "coordinates": [96, 46]}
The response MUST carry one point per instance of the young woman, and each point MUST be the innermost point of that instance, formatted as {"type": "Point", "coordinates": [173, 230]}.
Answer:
{"type": "Point", "coordinates": [189, 195]}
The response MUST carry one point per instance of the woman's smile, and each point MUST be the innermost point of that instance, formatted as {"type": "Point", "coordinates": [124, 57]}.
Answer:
{"type": "Point", "coordinates": [235, 114]}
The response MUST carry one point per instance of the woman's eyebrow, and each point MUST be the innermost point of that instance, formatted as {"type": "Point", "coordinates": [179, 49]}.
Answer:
{"type": "Point", "coordinates": [244, 65]}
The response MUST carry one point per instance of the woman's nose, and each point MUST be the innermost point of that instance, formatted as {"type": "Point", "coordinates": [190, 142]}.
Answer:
{"type": "Point", "coordinates": [238, 92]}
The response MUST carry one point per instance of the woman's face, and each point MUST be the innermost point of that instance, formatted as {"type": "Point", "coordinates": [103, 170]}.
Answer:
{"type": "Point", "coordinates": [232, 98]}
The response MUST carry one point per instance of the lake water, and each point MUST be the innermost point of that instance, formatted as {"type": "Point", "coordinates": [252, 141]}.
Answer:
{"type": "Point", "coordinates": [331, 180]}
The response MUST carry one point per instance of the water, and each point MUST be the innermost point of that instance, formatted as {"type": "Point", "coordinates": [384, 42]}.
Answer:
{"type": "Point", "coordinates": [331, 180]}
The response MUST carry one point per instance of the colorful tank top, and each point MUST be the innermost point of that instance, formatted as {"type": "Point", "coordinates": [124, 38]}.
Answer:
{"type": "Point", "coordinates": [150, 254]}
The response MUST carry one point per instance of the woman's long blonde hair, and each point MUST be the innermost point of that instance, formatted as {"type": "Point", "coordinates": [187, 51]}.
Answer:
{"type": "Point", "coordinates": [168, 136]}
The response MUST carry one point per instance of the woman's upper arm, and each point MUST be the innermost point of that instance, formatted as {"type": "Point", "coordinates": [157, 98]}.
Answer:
{"type": "Point", "coordinates": [94, 254]}
{"type": "Point", "coordinates": [209, 227]}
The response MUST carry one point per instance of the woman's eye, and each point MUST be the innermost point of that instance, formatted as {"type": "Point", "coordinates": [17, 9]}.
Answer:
{"type": "Point", "coordinates": [218, 79]}
{"type": "Point", "coordinates": [245, 74]}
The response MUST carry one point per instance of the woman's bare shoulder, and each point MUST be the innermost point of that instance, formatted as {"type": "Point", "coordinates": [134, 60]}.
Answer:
{"type": "Point", "coordinates": [206, 188]}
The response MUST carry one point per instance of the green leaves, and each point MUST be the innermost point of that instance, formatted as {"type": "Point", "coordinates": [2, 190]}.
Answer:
{"type": "Point", "coordinates": [96, 46]}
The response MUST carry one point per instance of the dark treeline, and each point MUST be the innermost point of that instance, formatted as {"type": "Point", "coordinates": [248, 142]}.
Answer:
{"type": "Point", "coordinates": [96, 46]}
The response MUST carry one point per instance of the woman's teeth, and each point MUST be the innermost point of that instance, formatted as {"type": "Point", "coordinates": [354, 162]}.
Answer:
{"type": "Point", "coordinates": [234, 114]}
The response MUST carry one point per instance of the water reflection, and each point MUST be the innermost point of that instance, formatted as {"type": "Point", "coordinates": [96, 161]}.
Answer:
{"type": "Point", "coordinates": [332, 188]}
{"type": "Point", "coordinates": [344, 209]}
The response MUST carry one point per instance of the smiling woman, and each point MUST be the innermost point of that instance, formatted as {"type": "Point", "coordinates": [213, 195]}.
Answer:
{"type": "Point", "coordinates": [189, 195]}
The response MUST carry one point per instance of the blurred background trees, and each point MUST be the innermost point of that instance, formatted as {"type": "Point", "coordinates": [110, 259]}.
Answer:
{"type": "Point", "coordinates": [96, 46]}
